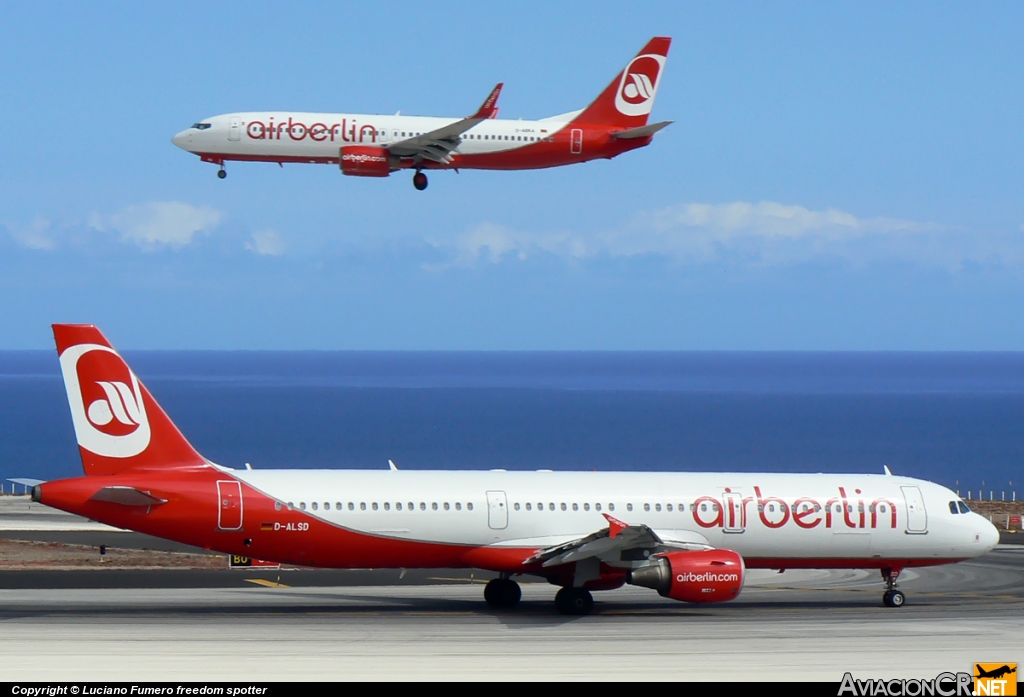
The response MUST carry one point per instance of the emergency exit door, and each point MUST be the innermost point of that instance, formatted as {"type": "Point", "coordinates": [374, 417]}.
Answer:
{"type": "Point", "coordinates": [229, 505]}
{"type": "Point", "coordinates": [497, 510]}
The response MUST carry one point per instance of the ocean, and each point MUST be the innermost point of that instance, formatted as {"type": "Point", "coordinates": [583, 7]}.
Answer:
{"type": "Point", "coordinates": [953, 418]}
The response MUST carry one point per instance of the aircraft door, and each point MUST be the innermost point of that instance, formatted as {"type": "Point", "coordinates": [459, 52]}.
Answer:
{"type": "Point", "coordinates": [917, 516]}
{"type": "Point", "coordinates": [497, 510]}
{"type": "Point", "coordinates": [235, 128]}
{"type": "Point", "coordinates": [576, 141]}
{"type": "Point", "coordinates": [735, 516]}
{"type": "Point", "coordinates": [229, 505]}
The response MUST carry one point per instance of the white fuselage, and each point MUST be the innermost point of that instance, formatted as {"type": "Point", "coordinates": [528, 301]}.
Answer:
{"type": "Point", "coordinates": [779, 517]}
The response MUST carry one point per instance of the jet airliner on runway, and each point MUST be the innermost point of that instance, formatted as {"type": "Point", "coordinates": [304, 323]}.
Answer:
{"type": "Point", "coordinates": [375, 145]}
{"type": "Point", "coordinates": [689, 536]}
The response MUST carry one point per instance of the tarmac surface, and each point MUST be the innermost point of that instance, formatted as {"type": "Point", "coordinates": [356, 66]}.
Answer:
{"type": "Point", "coordinates": [799, 625]}
{"type": "Point", "coordinates": [176, 625]}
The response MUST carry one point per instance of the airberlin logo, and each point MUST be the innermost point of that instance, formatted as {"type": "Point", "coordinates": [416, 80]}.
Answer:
{"type": "Point", "coordinates": [639, 84]}
{"type": "Point", "coordinates": [706, 577]}
{"type": "Point", "coordinates": [349, 157]}
{"type": "Point", "coordinates": [106, 401]}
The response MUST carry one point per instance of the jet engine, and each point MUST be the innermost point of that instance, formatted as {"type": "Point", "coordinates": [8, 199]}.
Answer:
{"type": "Point", "coordinates": [367, 161]}
{"type": "Point", "coordinates": [711, 576]}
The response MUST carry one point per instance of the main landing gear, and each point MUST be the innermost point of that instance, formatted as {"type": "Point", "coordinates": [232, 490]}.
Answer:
{"type": "Point", "coordinates": [892, 597]}
{"type": "Point", "coordinates": [419, 180]}
{"type": "Point", "coordinates": [574, 601]}
{"type": "Point", "coordinates": [502, 593]}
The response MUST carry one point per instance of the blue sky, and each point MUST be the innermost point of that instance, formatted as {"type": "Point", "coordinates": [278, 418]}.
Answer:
{"type": "Point", "coordinates": [839, 176]}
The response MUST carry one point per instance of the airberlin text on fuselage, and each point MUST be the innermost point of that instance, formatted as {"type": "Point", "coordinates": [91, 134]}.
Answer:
{"type": "Point", "coordinates": [319, 132]}
{"type": "Point", "coordinates": [730, 511]}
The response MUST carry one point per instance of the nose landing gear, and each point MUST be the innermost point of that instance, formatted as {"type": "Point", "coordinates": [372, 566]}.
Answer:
{"type": "Point", "coordinates": [221, 173]}
{"type": "Point", "coordinates": [419, 180]}
{"type": "Point", "coordinates": [892, 597]}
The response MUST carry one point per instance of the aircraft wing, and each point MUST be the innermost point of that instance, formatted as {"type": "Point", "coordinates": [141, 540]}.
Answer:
{"type": "Point", "coordinates": [618, 543]}
{"type": "Point", "coordinates": [438, 144]}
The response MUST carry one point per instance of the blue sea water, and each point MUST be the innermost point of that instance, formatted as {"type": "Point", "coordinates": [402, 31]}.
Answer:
{"type": "Point", "coordinates": [955, 418]}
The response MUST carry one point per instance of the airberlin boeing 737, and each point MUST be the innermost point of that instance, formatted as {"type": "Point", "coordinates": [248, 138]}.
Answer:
{"type": "Point", "coordinates": [374, 145]}
{"type": "Point", "coordinates": [690, 537]}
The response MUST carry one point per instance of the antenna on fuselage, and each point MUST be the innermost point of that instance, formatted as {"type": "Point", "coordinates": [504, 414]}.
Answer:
{"type": "Point", "coordinates": [392, 465]}
{"type": "Point", "coordinates": [887, 472]}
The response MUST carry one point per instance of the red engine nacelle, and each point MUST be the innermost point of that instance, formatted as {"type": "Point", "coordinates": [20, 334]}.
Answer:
{"type": "Point", "coordinates": [366, 161]}
{"type": "Point", "coordinates": [712, 576]}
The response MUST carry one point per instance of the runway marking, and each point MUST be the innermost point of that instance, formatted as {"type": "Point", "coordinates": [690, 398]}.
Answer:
{"type": "Point", "coordinates": [933, 594]}
{"type": "Point", "coordinates": [268, 584]}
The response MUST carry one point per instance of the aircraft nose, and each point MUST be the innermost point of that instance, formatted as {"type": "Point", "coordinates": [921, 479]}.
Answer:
{"type": "Point", "coordinates": [989, 535]}
{"type": "Point", "coordinates": [181, 140]}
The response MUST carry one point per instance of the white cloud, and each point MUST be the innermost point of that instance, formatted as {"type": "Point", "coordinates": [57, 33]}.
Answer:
{"type": "Point", "coordinates": [159, 223]}
{"type": "Point", "coordinates": [765, 233]}
{"type": "Point", "coordinates": [38, 235]}
{"type": "Point", "coordinates": [267, 242]}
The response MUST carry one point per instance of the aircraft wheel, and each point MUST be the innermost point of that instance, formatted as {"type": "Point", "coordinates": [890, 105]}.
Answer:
{"type": "Point", "coordinates": [574, 601]}
{"type": "Point", "coordinates": [502, 593]}
{"type": "Point", "coordinates": [419, 180]}
{"type": "Point", "coordinates": [221, 173]}
{"type": "Point", "coordinates": [894, 599]}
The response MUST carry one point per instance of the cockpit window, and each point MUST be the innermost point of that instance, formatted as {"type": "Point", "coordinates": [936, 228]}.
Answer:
{"type": "Point", "coordinates": [952, 508]}
{"type": "Point", "coordinates": [201, 126]}
{"type": "Point", "coordinates": [963, 507]}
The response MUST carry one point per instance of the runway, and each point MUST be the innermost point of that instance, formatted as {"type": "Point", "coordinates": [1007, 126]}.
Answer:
{"type": "Point", "coordinates": [794, 626]}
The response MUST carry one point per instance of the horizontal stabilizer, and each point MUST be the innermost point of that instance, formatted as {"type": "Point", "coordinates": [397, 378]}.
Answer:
{"type": "Point", "coordinates": [25, 481]}
{"type": "Point", "coordinates": [641, 132]}
{"type": "Point", "coordinates": [126, 496]}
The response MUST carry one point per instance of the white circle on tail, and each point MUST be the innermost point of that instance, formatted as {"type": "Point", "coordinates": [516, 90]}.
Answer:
{"type": "Point", "coordinates": [639, 84]}
{"type": "Point", "coordinates": [115, 423]}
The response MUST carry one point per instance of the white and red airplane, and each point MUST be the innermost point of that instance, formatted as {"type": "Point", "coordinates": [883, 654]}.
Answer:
{"type": "Point", "coordinates": [690, 537]}
{"type": "Point", "coordinates": [375, 145]}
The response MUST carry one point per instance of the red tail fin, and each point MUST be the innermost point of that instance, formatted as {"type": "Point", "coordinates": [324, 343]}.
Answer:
{"type": "Point", "coordinates": [118, 423]}
{"type": "Point", "coordinates": [628, 100]}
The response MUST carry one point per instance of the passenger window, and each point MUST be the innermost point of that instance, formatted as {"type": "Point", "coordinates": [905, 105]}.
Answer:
{"type": "Point", "coordinates": [516, 506]}
{"type": "Point", "coordinates": [597, 507]}
{"type": "Point", "coordinates": [351, 506]}
{"type": "Point", "coordinates": [647, 507]}
{"type": "Point", "coordinates": [629, 507]}
{"type": "Point", "coordinates": [586, 507]}
{"type": "Point", "coordinates": [277, 506]}
{"type": "Point", "coordinates": [668, 508]}
{"type": "Point", "coordinates": [423, 506]}
{"type": "Point", "coordinates": [362, 506]}
{"type": "Point", "coordinates": [564, 507]}
{"type": "Point", "coordinates": [551, 506]}
{"type": "Point", "coordinates": [434, 506]}
{"type": "Point", "coordinates": [446, 506]}
{"type": "Point", "coordinates": [375, 505]}
{"type": "Point", "coordinates": [529, 507]}
{"type": "Point", "coordinates": [314, 506]}
{"type": "Point", "coordinates": [540, 506]}
{"type": "Point", "coordinates": [657, 507]}
{"type": "Point", "coordinates": [611, 506]}
{"type": "Point", "coordinates": [398, 506]}
{"type": "Point", "coordinates": [469, 506]}
{"type": "Point", "coordinates": [302, 505]}
{"type": "Point", "coordinates": [458, 506]}
{"type": "Point", "coordinates": [387, 506]}
{"type": "Point", "coordinates": [575, 507]}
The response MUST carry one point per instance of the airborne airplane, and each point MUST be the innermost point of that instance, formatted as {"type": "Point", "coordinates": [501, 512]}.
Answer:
{"type": "Point", "coordinates": [375, 145]}
{"type": "Point", "coordinates": [689, 536]}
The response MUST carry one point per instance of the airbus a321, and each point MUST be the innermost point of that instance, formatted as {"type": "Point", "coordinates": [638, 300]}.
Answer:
{"type": "Point", "coordinates": [690, 537]}
{"type": "Point", "coordinates": [375, 145]}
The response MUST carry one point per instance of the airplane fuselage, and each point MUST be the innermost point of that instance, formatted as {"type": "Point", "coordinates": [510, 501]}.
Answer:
{"type": "Point", "coordinates": [496, 144]}
{"type": "Point", "coordinates": [496, 520]}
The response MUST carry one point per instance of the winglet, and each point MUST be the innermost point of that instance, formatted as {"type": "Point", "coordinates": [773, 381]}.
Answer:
{"type": "Point", "coordinates": [392, 465]}
{"type": "Point", "coordinates": [615, 526]}
{"type": "Point", "coordinates": [887, 472]}
{"type": "Point", "coordinates": [489, 109]}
